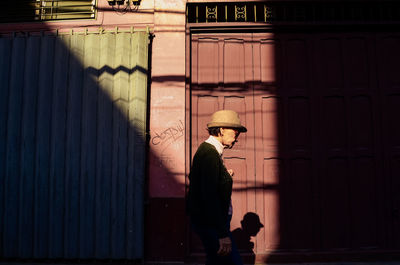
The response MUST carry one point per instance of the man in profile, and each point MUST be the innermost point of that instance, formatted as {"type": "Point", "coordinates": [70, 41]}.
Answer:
{"type": "Point", "coordinates": [210, 189]}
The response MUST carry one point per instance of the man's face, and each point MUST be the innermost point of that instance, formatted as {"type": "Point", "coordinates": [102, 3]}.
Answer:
{"type": "Point", "coordinates": [229, 137]}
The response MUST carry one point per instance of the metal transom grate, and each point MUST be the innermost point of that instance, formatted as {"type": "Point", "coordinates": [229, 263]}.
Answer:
{"type": "Point", "coordinates": [295, 12]}
{"type": "Point", "coordinates": [45, 10]}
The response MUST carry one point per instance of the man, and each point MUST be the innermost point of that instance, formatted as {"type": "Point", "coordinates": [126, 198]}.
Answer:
{"type": "Point", "coordinates": [210, 190]}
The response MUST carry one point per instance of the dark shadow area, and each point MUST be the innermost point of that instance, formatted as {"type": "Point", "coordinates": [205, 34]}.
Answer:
{"type": "Point", "coordinates": [250, 226]}
{"type": "Point", "coordinates": [336, 157]}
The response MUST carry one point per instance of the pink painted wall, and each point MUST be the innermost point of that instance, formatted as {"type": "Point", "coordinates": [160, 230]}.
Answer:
{"type": "Point", "coordinates": [167, 103]}
{"type": "Point", "coordinates": [165, 241]}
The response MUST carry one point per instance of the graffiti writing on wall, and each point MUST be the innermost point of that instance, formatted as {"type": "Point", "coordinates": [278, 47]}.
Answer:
{"type": "Point", "coordinates": [169, 135]}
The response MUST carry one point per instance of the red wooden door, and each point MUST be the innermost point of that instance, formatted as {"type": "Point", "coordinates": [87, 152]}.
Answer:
{"type": "Point", "coordinates": [319, 163]}
{"type": "Point", "coordinates": [221, 79]}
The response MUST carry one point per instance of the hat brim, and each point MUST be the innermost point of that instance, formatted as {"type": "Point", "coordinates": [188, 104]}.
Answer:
{"type": "Point", "coordinates": [238, 127]}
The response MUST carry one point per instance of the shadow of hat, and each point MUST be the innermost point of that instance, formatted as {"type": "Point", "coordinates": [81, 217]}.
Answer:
{"type": "Point", "coordinates": [252, 219]}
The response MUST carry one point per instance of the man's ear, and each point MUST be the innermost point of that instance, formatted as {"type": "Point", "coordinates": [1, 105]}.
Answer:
{"type": "Point", "coordinates": [221, 131]}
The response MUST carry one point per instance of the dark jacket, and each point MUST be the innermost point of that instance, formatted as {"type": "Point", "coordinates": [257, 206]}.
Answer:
{"type": "Point", "coordinates": [210, 190]}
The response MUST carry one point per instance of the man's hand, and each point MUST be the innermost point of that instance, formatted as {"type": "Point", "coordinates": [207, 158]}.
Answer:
{"type": "Point", "coordinates": [230, 171]}
{"type": "Point", "coordinates": [225, 246]}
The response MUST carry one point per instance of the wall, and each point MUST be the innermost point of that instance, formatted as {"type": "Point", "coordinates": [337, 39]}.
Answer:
{"type": "Point", "coordinates": [165, 239]}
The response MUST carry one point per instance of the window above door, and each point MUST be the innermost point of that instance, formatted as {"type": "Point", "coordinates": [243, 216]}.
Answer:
{"type": "Point", "coordinates": [47, 10]}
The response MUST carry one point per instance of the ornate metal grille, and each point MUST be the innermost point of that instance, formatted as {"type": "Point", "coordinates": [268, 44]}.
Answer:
{"type": "Point", "coordinates": [277, 12]}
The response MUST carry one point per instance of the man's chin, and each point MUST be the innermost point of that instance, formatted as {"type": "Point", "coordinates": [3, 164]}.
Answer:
{"type": "Point", "coordinates": [229, 146]}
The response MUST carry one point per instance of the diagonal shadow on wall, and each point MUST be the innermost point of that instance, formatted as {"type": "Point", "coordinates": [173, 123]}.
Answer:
{"type": "Point", "coordinates": [73, 124]}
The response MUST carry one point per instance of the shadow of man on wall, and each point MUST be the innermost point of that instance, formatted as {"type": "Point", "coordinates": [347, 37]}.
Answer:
{"type": "Point", "coordinates": [250, 226]}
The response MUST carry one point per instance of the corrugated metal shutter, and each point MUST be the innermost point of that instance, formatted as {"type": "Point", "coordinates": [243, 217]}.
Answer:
{"type": "Point", "coordinates": [72, 149]}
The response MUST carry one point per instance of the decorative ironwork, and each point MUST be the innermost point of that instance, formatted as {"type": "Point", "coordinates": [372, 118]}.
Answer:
{"type": "Point", "coordinates": [267, 13]}
{"type": "Point", "coordinates": [124, 6]}
{"type": "Point", "coordinates": [197, 14]}
{"type": "Point", "coordinates": [211, 13]}
{"type": "Point", "coordinates": [298, 12]}
{"type": "Point", "coordinates": [240, 13]}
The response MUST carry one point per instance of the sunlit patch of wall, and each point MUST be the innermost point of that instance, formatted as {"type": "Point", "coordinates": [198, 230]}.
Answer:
{"type": "Point", "coordinates": [168, 131]}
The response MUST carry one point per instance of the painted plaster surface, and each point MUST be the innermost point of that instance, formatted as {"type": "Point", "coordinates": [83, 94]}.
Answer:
{"type": "Point", "coordinates": [167, 103]}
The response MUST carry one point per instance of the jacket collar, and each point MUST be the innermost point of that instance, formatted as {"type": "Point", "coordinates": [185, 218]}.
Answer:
{"type": "Point", "coordinates": [213, 141]}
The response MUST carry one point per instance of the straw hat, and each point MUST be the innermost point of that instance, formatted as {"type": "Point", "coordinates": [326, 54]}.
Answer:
{"type": "Point", "coordinates": [226, 118]}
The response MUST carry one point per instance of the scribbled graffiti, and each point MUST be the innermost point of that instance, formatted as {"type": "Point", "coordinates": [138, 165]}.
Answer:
{"type": "Point", "coordinates": [169, 135]}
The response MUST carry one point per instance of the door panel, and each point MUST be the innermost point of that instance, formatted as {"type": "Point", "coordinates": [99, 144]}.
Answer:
{"type": "Point", "coordinates": [388, 56]}
{"type": "Point", "coordinates": [219, 81]}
